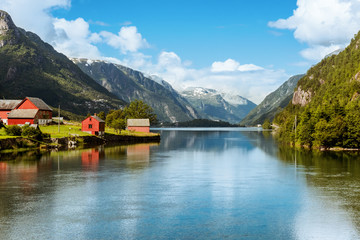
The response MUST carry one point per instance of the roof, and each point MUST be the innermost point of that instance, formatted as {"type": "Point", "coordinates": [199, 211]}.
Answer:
{"type": "Point", "coordinates": [39, 103]}
{"type": "Point", "coordinates": [8, 104]}
{"type": "Point", "coordinates": [23, 113]}
{"type": "Point", "coordinates": [96, 118]}
{"type": "Point", "coordinates": [138, 123]}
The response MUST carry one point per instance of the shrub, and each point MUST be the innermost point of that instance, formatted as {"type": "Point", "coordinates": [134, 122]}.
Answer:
{"type": "Point", "coordinates": [31, 132]}
{"type": "Point", "coordinates": [13, 130]}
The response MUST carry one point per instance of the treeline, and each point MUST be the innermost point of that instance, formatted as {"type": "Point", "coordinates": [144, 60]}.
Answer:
{"type": "Point", "coordinates": [332, 118]}
{"type": "Point", "coordinates": [137, 109]}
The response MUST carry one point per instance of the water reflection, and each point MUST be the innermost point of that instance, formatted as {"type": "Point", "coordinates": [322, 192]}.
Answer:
{"type": "Point", "coordinates": [195, 184]}
{"type": "Point", "coordinates": [331, 201]}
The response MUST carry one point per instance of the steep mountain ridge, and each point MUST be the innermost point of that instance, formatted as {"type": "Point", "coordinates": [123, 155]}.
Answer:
{"type": "Point", "coordinates": [31, 67]}
{"type": "Point", "coordinates": [216, 105]}
{"type": "Point", "coordinates": [273, 103]}
{"type": "Point", "coordinates": [326, 103]}
{"type": "Point", "coordinates": [129, 84]}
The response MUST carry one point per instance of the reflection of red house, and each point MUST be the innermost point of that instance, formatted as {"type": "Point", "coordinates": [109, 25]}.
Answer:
{"type": "Point", "coordinates": [30, 110]}
{"type": "Point", "coordinates": [5, 108]}
{"type": "Point", "coordinates": [138, 152]}
{"type": "Point", "coordinates": [90, 157]}
{"type": "Point", "coordinates": [138, 125]}
{"type": "Point", "coordinates": [93, 125]}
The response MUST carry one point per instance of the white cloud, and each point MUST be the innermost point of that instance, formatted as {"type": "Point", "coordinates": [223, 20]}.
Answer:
{"type": "Point", "coordinates": [127, 40]}
{"type": "Point", "coordinates": [323, 25]}
{"type": "Point", "coordinates": [34, 15]}
{"type": "Point", "coordinates": [77, 40]}
{"type": "Point", "coordinates": [249, 67]}
{"type": "Point", "coordinates": [231, 65]}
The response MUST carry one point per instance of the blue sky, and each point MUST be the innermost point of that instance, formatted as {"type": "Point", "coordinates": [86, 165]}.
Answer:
{"type": "Point", "coordinates": [246, 47]}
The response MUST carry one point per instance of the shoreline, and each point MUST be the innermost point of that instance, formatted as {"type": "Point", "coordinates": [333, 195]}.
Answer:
{"type": "Point", "coordinates": [72, 142]}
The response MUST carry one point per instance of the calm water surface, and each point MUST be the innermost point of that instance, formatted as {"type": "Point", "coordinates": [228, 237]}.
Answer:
{"type": "Point", "coordinates": [198, 184]}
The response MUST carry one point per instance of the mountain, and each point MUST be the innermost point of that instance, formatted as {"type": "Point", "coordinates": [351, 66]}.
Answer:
{"type": "Point", "coordinates": [129, 84]}
{"type": "Point", "coordinates": [31, 67]}
{"type": "Point", "coordinates": [216, 105]}
{"type": "Point", "coordinates": [326, 103]}
{"type": "Point", "coordinates": [273, 103]}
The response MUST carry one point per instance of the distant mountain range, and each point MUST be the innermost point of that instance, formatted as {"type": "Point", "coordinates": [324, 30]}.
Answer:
{"type": "Point", "coordinates": [215, 105]}
{"type": "Point", "coordinates": [31, 67]}
{"type": "Point", "coordinates": [273, 103]}
{"type": "Point", "coordinates": [128, 84]}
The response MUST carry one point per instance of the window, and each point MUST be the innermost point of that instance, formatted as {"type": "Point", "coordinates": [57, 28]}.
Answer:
{"type": "Point", "coordinates": [90, 119]}
{"type": "Point", "coordinates": [90, 126]}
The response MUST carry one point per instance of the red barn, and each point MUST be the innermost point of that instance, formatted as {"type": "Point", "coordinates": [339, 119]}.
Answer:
{"type": "Point", "coordinates": [138, 125]}
{"type": "Point", "coordinates": [5, 108]}
{"type": "Point", "coordinates": [93, 125]}
{"type": "Point", "coordinates": [30, 110]}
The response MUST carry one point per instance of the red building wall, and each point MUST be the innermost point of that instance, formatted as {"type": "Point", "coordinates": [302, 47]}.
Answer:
{"type": "Point", "coordinates": [96, 126]}
{"type": "Point", "coordinates": [27, 105]}
{"type": "Point", "coordinates": [45, 114]}
{"type": "Point", "coordinates": [3, 114]}
{"type": "Point", "coordinates": [139, 129]}
{"type": "Point", "coordinates": [15, 121]}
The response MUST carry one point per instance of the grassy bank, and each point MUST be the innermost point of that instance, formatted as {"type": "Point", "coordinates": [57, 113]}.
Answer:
{"type": "Point", "coordinates": [73, 129]}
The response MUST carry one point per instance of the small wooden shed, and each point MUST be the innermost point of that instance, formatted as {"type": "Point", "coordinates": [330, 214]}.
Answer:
{"type": "Point", "coordinates": [138, 125]}
{"type": "Point", "coordinates": [93, 125]}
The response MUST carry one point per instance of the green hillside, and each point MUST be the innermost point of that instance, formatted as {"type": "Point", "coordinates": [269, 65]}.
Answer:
{"type": "Point", "coordinates": [326, 103]}
{"type": "Point", "coordinates": [31, 67]}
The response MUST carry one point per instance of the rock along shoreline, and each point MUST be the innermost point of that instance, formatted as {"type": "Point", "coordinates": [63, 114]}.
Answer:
{"type": "Point", "coordinates": [73, 142]}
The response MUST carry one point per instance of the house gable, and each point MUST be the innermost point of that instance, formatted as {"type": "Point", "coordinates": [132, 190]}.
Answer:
{"type": "Point", "coordinates": [26, 104]}
{"type": "Point", "coordinates": [93, 125]}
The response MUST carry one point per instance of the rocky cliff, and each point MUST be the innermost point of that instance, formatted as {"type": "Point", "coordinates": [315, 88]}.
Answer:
{"type": "Point", "coordinates": [273, 103]}
{"type": "Point", "coordinates": [129, 84]}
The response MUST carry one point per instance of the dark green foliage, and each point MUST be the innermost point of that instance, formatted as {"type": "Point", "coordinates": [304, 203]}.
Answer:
{"type": "Point", "coordinates": [116, 119]}
{"type": "Point", "coordinates": [332, 118]}
{"type": "Point", "coordinates": [30, 132]}
{"type": "Point", "coordinates": [101, 115]}
{"type": "Point", "coordinates": [13, 130]}
{"type": "Point", "coordinates": [138, 110]}
{"type": "Point", "coordinates": [267, 124]}
{"type": "Point", "coordinates": [1, 124]}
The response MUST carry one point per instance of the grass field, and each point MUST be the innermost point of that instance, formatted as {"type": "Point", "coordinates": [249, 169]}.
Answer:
{"type": "Point", "coordinates": [74, 129]}
{"type": "Point", "coordinates": [3, 134]}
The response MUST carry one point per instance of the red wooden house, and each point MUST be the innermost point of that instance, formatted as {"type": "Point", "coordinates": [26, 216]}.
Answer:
{"type": "Point", "coordinates": [30, 110]}
{"type": "Point", "coordinates": [93, 125]}
{"type": "Point", "coordinates": [5, 108]}
{"type": "Point", "coordinates": [138, 125]}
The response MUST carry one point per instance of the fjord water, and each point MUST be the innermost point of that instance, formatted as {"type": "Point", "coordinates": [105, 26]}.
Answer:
{"type": "Point", "coordinates": [195, 184]}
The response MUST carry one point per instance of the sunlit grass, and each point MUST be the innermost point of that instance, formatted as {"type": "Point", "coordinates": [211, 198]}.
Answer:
{"type": "Point", "coordinates": [130, 133]}
{"type": "Point", "coordinates": [3, 134]}
{"type": "Point", "coordinates": [65, 130]}
{"type": "Point", "coordinates": [74, 129]}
